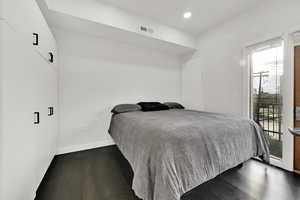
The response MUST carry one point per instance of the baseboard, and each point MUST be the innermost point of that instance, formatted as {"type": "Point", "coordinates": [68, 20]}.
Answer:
{"type": "Point", "coordinates": [82, 147]}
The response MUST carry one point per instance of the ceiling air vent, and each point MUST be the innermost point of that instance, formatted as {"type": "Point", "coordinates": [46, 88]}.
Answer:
{"type": "Point", "coordinates": [146, 29]}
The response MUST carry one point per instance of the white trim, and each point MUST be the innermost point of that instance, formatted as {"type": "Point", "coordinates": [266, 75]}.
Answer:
{"type": "Point", "coordinates": [288, 145]}
{"type": "Point", "coordinates": [246, 84]}
{"type": "Point", "coordinates": [261, 44]}
{"type": "Point", "coordinates": [288, 108]}
{"type": "Point", "coordinates": [266, 38]}
{"type": "Point", "coordinates": [278, 163]}
{"type": "Point", "coordinates": [81, 147]}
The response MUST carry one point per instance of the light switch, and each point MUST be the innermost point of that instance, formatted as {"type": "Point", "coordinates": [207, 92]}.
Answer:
{"type": "Point", "coordinates": [297, 113]}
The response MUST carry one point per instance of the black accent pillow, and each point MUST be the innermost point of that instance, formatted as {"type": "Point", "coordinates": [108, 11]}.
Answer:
{"type": "Point", "coordinates": [122, 108]}
{"type": "Point", "coordinates": [152, 106]}
{"type": "Point", "coordinates": [174, 105]}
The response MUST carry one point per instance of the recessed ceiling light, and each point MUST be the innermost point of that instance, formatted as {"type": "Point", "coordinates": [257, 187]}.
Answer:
{"type": "Point", "coordinates": [187, 15]}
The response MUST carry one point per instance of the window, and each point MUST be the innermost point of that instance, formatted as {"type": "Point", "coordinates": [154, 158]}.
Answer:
{"type": "Point", "coordinates": [266, 91]}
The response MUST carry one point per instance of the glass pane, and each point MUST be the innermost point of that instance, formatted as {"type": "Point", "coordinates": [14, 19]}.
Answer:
{"type": "Point", "coordinates": [267, 72]}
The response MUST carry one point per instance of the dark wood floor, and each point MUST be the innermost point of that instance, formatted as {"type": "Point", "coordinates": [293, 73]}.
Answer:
{"type": "Point", "coordinates": [104, 174]}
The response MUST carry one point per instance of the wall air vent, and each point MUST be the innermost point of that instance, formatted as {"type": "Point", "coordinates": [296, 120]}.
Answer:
{"type": "Point", "coordinates": [146, 29]}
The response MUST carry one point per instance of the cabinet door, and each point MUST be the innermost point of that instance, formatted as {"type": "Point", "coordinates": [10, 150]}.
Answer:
{"type": "Point", "coordinates": [19, 61]}
{"type": "Point", "coordinates": [29, 86]}
{"type": "Point", "coordinates": [52, 101]}
{"type": "Point", "coordinates": [48, 130]}
{"type": "Point", "coordinates": [26, 18]}
{"type": "Point", "coordinates": [48, 43]}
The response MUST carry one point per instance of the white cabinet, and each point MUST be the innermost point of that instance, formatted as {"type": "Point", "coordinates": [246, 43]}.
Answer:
{"type": "Point", "coordinates": [26, 18]}
{"type": "Point", "coordinates": [28, 85]}
{"type": "Point", "coordinates": [47, 99]}
{"type": "Point", "coordinates": [18, 154]}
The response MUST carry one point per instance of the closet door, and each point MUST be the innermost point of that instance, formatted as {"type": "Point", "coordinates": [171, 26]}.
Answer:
{"type": "Point", "coordinates": [47, 134]}
{"type": "Point", "coordinates": [27, 19]}
{"type": "Point", "coordinates": [23, 15]}
{"type": "Point", "coordinates": [19, 89]}
{"type": "Point", "coordinates": [52, 103]}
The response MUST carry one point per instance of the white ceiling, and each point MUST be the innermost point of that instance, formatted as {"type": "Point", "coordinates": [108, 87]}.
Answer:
{"type": "Point", "coordinates": [206, 13]}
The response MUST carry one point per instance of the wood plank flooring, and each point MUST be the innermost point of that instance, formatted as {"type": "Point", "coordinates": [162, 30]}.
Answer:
{"type": "Point", "coordinates": [104, 174]}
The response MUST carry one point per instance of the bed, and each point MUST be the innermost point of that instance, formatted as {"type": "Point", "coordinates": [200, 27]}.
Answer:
{"type": "Point", "coordinates": [173, 151]}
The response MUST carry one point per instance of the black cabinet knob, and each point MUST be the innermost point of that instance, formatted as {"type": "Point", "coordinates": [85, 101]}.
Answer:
{"type": "Point", "coordinates": [36, 39]}
{"type": "Point", "coordinates": [37, 117]}
{"type": "Point", "coordinates": [51, 111]}
{"type": "Point", "coordinates": [51, 59]}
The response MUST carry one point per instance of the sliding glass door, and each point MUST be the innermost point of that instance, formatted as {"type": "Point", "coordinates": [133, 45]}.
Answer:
{"type": "Point", "coordinates": [266, 91]}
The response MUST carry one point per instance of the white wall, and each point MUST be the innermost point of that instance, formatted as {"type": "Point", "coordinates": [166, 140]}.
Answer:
{"type": "Point", "coordinates": [96, 74]}
{"type": "Point", "coordinates": [99, 12]}
{"type": "Point", "coordinates": [213, 77]}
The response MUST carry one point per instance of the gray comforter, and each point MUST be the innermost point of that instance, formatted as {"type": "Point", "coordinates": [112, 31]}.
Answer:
{"type": "Point", "coordinates": [172, 152]}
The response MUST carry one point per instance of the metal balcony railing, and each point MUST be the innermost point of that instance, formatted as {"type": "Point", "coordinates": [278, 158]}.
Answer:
{"type": "Point", "coordinates": [269, 116]}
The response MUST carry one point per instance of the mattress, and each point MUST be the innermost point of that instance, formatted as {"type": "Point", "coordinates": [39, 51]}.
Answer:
{"type": "Point", "coordinates": [171, 152]}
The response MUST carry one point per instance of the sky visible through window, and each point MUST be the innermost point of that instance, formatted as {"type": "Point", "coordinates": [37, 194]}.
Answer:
{"type": "Point", "coordinates": [269, 62]}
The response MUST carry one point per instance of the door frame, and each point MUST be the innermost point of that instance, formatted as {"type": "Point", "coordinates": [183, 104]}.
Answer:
{"type": "Point", "coordinates": [287, 161]}
{"type": "Point", "coordinates": [294, 40]}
